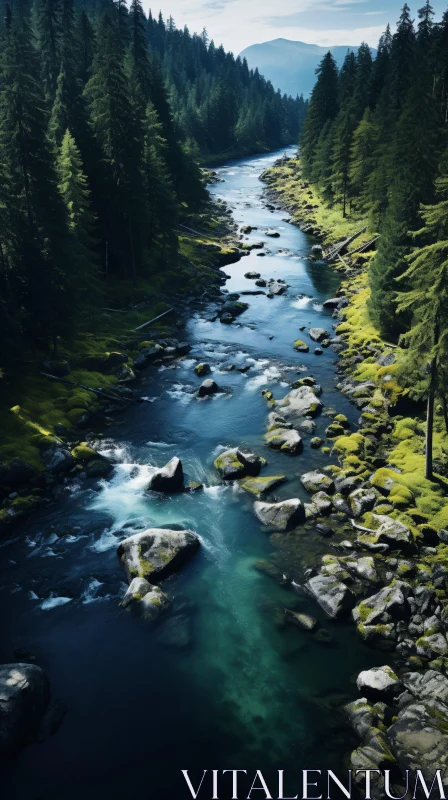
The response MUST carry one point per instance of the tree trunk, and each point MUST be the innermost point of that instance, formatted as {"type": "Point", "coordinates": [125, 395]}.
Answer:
{"type": "Point", "coordinates": [430, 422]}
{"type": "Point", "coordinates": [445, 411]}
{"type": "Point", "coordinates": [131, 242]}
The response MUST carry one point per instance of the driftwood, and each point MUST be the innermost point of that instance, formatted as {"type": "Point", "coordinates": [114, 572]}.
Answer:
{"type": "Point", "coordinates": [192, 230]}
{"type": "Point", "coordinates": [98, 392]}
{"type": "Point", "coordinates": [361, 528]}
{"type": "Point", "coordinates": [145, 324]}
{"type": "Point", "coordinates": [341, 259]}
{"type": "Point", "coordinates": [365, 246]}
{"type": "Point", "coordinates": [340, 247]}
{"type": "Point", "coordinates": [116, 310]}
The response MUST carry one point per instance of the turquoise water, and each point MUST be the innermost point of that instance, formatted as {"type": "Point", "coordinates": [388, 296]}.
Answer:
{"type": "Point", "coordinates": [221, 683]}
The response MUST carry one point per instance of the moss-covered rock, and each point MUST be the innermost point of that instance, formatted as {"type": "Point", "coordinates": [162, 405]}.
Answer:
{"type": "Point", "coordinates": [261, 486]}
{"type": "Point", "coordinates": [301, 347]}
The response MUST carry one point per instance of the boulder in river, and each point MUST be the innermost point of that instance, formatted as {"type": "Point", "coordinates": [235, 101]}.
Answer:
{"type": "Point", "coordinates": [156, 553]}
{"type": "Point", "coordinates": [288, 440]}
{"type": "Point", "coordinates": [336, 302]}
{"type": "Point", "coordinates": [301, 402]}
{"type": "Point", "coordinates": [169, 478]}
{"type": "Point", "coordinates": [234, 308]}
{"type": "Point", "coordinates": [233, 464]}
{"type": "Point", "coordinates": [252, 276]}
{"type": "Point", "coordinates": [202, 369]}
{"type": "Point", "coordinates": [24, 699]}
{"type": "Point", "coordinates": [318, 334]}
{"type": "Point", "coordinates": [276, 288]}
{"type": "Point", "coordinates": [207, 388]}
{"type": "Point", "coordinates": [261, 282]}
{"type": "Point", "coordinates": [280, 516]}
{"type": "Point", "coordinates": [332, 595]}
{"type": "Point", "coordinates": [300, 346]}
{"type": "Point", "coordinates": [317, 481]}
{"type": "Point", "coordinates": [144, 599]}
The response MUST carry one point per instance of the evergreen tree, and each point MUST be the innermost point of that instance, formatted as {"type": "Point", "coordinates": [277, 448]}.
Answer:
{"type": "Point", "coordinates": [323, 107]}
{"type": "Point", "coordinates": [426, 300]}
{"type": "Point", "coordinates": [81, 221]}
{"type": "Point", "coordinates": [38, 250]}
{"type": "Point", "coordinates": [48, 24]}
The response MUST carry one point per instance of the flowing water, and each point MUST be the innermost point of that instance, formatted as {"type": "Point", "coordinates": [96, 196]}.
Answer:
{"type": "Point", "coordinates": [221, 683]}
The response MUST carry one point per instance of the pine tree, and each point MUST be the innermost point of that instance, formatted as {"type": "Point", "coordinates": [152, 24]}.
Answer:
{"type": "Point", "coordinates": [119, 135]}
{"type": "Point", "coordinates": [48, 24]}
{"type": "Point", "coordinates": [323, 107]}
{"type": "Point", "coordinates": [39, 252]}
{"type": "Point", "coordinates": [81, 221]}
{"type": "Point", "coordinates": [363, 159]}
{"type": "Point", "coordinates": [426, 300]}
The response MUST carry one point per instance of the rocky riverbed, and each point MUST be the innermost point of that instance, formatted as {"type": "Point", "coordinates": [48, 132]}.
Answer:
{"type": "Point", "coordinates": [212, 569]}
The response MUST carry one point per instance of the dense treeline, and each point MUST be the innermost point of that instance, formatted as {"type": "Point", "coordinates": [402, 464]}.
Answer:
{"type": "Point", "coordinates": [102, 113]}
{"type": "Point", "coordinates": [220, 104]}
{"type": "Point", "coordinates": [375, 141]}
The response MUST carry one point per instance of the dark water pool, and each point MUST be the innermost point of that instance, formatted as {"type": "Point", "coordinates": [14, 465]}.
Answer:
{"type": "Point", "coordinates": [221, 684]}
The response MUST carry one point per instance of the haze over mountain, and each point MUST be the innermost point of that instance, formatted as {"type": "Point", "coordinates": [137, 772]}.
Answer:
{"type": "Point", "coordinates": [291, 66]}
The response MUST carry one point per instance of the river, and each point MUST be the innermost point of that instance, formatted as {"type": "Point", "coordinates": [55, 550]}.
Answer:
{"type": "Point", "coordinates": [222, 683]}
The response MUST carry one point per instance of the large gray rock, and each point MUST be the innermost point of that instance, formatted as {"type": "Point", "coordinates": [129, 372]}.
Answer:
{"type": "Point", "coordinates": [317, 481]}
{"type": "Point", "coordinates": [332, 595]}
{"type": "Point", "coordinates": [419, 736]}
{"type": "Point", "coordinates": [145, 600]}
{"type": "Point", "coordinates": [362, 716]}
{"type": "Point", "coordinates": [280, 516]}
{"type": "Point", "coordinates": [57, 459]}
{"type": "Point", "coordinates": [233, 464]}
{"type": "Point", "coordinates": [391, 601]}
{"type": "Point", "coordinates": [322, 501]}
{"type": "Point", "coordinates": [379, 683]}
{"type": "Point", "coordinates": [301, 402]}
{"type": "Point", "coordinates": [276, 288]}
{"type": "Point", "coordinates": [361, 500]}
{"type": "Point", "coordinates": [318, 334]}
{"type": "Point", "coordinates": [285, 439]}
{"type": "Point", "coordinates": [169, 478]}
{"type": "Point", "coordinates": [261, 486]}
{"type": "Point", "coordinates": [24, 698]}
{"type": "Point", "coordinates": [156, 553]}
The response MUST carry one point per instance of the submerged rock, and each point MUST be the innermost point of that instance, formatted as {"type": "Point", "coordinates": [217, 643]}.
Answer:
{"type": "Point", "coordinates": [280, 516]}
{"type": "Point", "coordinates": [156, 553]}
{"type": "Point", "coordinates": [304, 621]}
{"type": "Point", "coordinates": [234, 464]}
{"type": "Point", "coordinates": [260, 486]}
{"type": "Point", "coordinates": [24, 698]}
{"type": "Point", "coordinates": [169, 478]}
{"type": "Point", "coordinates": [333, 596]}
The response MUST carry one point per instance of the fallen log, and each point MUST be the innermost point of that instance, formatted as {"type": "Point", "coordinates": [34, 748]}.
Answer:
{"type": "Point", "coordinates": [340, 247]}
{"type": "Point", "coordinates": [145, 324]}
{"type": "Point", "coordinates": [98, 392]}
{"type": "Point", "coordinates": [365, 246]}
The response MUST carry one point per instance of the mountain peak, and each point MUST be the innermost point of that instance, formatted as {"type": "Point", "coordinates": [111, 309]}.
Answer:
{"type": "Point", "coordinates": [291, 65]}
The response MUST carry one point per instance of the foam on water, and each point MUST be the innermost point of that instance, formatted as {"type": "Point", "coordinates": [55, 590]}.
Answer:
{"type": "Point", "coordinates": [301, 302]}
{"type": "Point", "coordinates": [54, 602]}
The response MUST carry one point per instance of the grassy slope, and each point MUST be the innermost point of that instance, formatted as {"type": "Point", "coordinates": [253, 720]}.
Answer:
{"type": "Point", "coordinates": [415, 499]}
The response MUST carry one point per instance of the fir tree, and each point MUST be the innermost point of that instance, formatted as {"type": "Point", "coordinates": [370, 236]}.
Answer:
{"type": "Point", "coordinates": [323, 107]}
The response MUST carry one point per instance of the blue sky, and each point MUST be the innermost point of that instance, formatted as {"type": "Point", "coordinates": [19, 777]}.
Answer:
{"type": "Point", "coordinates": [239, 23]}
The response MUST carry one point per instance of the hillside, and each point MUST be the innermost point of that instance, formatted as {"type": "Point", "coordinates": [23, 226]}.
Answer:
{"type": "Point", "coordinates": [291, 66]}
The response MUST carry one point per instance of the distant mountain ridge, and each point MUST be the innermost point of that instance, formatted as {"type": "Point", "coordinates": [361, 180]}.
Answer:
{"type": "Point", "coordinates": [290, 65]}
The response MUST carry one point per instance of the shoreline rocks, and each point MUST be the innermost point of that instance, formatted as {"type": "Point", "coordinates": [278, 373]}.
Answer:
{"type": "Point", "coordinates": [280, 516]}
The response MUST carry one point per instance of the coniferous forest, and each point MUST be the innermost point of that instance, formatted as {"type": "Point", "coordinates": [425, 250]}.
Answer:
{"type": "Point", "coordinates": [104, 116]}
{"type": "Point", "coordinates": [375, 142]}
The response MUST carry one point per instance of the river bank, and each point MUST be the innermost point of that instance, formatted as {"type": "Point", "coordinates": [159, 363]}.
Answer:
{"type": "Point", "coordinates": [396, 557]}
{"type": "Point", "coordinates": [43, 421]}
